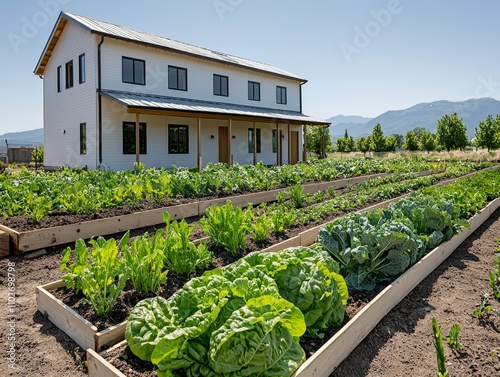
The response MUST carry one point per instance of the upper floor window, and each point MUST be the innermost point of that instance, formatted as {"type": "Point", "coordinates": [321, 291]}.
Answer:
{"type": "Point", "coordinates": [69, 74]}
{"type": "Point", "coordinates": [177, 78]}
{"type": "Point", "coordinates": [133, 71]}
{"type": "Point", "coordinates": [59, 79]}
{"type": "Point", "coordinates": [81, 69]}
{"type": "Point", "coordinates": [281, 95]}
{"type": "Point", "coordinates": [129, 138]}
{"type": "Point", "coordinates": [253, 91]}
{"type": "Point", "coordinates": [221, 85]}
{"type": "Point", "coordinates": [178, 139]}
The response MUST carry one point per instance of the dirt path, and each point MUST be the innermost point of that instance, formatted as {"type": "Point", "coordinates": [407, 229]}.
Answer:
{"type": "Point", "coordinates": [400, 345]}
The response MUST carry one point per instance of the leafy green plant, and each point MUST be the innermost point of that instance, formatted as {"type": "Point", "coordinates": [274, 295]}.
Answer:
{"type": "Point", "coordinates": [280, 198]}
{"type": "Point", "coordinates": [182, 255]}
{"type": "Point", "coordinates": [261, 227]}
{"type": "Point", "coordinates": [144, 258]}
{"type": "Point", "coordinates": [75, 270]}
{"type": "Point", "coordinates": [319, 196]}
{"type": "Point", "coordinates": [484, 308]}
{"type": "Point", "coordinates": [227, 226]}
{"type": "Point", "coordinates": [438, 344]}
{"type": "Point", "coordinates": [452, 338]}
{"type": "Point", "coordinates": [297, 195]}
{"type": "Point", "coordinates": [494, 280]}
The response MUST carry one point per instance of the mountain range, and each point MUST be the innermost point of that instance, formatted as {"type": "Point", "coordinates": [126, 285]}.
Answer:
{"type": "Point", "coordinates": [424, 115]}
{"type": "Point", "coordinates": [23, 138]}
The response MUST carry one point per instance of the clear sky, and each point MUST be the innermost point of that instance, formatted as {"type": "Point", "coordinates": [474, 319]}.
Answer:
{"type": "Point", "coordinates": [360, 57]}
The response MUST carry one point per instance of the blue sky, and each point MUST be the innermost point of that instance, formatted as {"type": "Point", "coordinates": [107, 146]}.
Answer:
{"type": "Point", "coordinates": [360, 57]}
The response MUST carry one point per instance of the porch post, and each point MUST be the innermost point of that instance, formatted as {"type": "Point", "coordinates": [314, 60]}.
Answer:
{"type": "Point", "coordinates": [230, 131]}
{"type": "Point", "coordinates": [137, 143]}
{"type": "Point", "coordinates": [289, 144]}
{"type": "Point", "coordinates": [199, 144]}
{"type": "Point", "coordinates": [304, 150]}
{"type": "Point", "coordinates": [254, 144]}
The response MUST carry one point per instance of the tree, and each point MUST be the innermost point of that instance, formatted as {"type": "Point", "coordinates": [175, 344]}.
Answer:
{"type": "Point", "coordinates": [363, 144]}
{"type": "Point", "coordinates": [377, 139]}
{"type": "Point", "coordinates": [391, 144]}
{"type": "Point", "coordinates": [411, 141]}
{"type": "Point", "coordinates": [451, 132]}
{"type": "Point", "coordinates": [399, 140]}
{"type": "Point", "coordinates": [488, 134]}
{"type": "Point", "coordinates": [318, 140]}
{"type": "Point", "coordinates": [345, 144]}
{"type": "Point", "coordinates": [427, 142]}
{"type": "Point", "coordinates": [418, 131]}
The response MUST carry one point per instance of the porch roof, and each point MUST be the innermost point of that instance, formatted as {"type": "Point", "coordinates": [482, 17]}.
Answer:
{"type": "Point", "coordinates": [139, 102]}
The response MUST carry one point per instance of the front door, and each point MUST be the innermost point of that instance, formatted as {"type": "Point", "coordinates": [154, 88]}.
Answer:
{"type": "Point", "coordinates": [224, 145]}
{"type": "Point", "coordinates": [294, 145]}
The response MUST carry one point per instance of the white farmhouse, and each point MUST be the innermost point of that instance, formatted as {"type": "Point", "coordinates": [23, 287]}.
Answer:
{"type": "Point", "coordinates": [113, 96]}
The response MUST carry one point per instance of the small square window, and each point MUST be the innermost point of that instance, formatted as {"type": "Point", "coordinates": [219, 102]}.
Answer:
{"type": "Point", "coordinates": [133, 71]}
{"type": "Point", "coordinates": [253, 91]}
{"type": "Point", "coordinates": [221, 85]}
{"type": "Point", "coordinates": [281, 95]}
{"type": "Point", "coordinates": [177, 78]}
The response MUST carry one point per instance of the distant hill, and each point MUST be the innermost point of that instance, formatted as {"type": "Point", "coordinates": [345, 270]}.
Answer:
{"type": "Point", "coordinates": [424, 115]}
{"type": "Point", "coordinates": [23, 138]}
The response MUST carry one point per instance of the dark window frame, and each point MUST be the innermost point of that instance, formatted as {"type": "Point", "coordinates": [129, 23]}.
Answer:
{"type": "Point", "coordinates": [281, 95]}
{"type": "Point", "coordinates": [177, 148]}
{"type": "Point", "coordinates": [135, 80]}
{"type": "Point", "coordinates": [81, 69]}
{"type": "Point", "coordinates": [221, 85]}
{"type": "Point", "coordinates": [251, 139]}
{"type": "Point", "coordinates": [59, 79]}
{"type": "Point", "coordinates": [178, 83]}
{"type": "Point", "coordinates": [143, 138]}
{"type": "Point", "coordinates": [254, 91]}
{"type": "Point", "coordinates": [83, 138]}
{"type": "Point", "coordinates": [69, 74]}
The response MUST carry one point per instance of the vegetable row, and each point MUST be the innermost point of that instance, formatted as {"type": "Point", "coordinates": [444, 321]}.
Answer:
{"type": "Point", "coordinates": [36, 194]}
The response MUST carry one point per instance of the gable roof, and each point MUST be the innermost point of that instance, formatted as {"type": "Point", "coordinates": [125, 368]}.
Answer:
{"type": "Point", "coordinates": [123, 33]}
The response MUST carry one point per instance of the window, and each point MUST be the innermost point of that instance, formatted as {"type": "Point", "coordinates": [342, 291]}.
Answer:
{"type": "Point", "coordinates": [178, 139]}
{"type": "Point", "coordinates": [253, 91]}
{"type": "Point", "coordinates": [251, 139]}
{"type": "Point", "coordinates": [69, 74]}
{"type": "Point", "coordinates": [281, 95]}
{"type": "Point", "coordinates": [275, 141]}
{"type": "Point", "coordinates": [81, 69]}
{"type": "Point", "coordinates": [59, 79]}
{"type": "Point", "coordinates": [133, 71]}
{"type": "Point", "coordinates": [129, 138]}
{"type": "Point", "coordinates": [221, 87]}
{"type": "Point", "coordinates": [83, 138]}
{"type": "Point", "coordinates": [177, 78]}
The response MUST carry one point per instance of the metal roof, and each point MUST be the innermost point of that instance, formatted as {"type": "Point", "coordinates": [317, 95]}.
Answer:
{"type": "Point", "coordinates": [147, 101]}
{"type": "Point", "coordinates": [124, 33]}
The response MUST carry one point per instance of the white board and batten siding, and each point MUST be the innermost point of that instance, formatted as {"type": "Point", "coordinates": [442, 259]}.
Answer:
{"type": "Point", "coordinates": [199, 77]}
{"type": "Point", "coordinates": [64, 111]}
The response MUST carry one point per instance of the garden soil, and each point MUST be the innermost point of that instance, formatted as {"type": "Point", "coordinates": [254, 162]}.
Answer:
{"type": "Point", "coordinates": [401, 344]}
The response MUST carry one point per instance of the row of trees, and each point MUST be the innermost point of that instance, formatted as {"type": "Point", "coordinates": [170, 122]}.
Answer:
{"type": "Point", "coordinates": [451, 134]}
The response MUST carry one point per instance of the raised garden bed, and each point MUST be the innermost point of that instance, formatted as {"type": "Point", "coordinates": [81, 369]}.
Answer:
{"type": "Point", "coordinates": [329, 356]}
{"type": "Point", "coordinates": [24, 241]}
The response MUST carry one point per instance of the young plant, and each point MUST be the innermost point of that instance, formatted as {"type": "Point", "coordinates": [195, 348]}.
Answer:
{"type": "Point", "coordinates": [227, 226]}
{"type": "Point", "coordinates": [438, 344]}
{"type": "Point", "coordinates": [104, 279]}
{"type": "Point", "coordinates": [452, 338]}
{"type": "Point", "coordinates": [144, 258]}
{"type": "Point", "coordinates": [180, 254]}
{"type": "Point", "coordinates": [280, 198]}
{"type": "Point", "coordinates": [319, 196]}
{"type": "Point", "coordinates": [282, 218]}
{"type": "Point", "coordinates": [297, 195]}
{"type": "Point", "coordinates": [261, 227]}
{"type": "Point", "coordinates": [495, 278]}
{"type": "Point", "coordinates": [75, 270]}
{"type": "Point", "coordinates": [484, 308]}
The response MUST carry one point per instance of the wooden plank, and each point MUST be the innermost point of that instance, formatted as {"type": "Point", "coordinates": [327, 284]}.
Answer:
{"type": "Point", "coordinates": [13, 235]}
{"type": "Point", "coordinates": [291, 242]}
{"type": "Point", "coordinates": [4, 244]}
{"type": "Point", "coordinates": [65, 318]}
{"type": "Point", "coordinates": [335, 350]}
{"type": "Point", "coordinates": [110, 336]}
{"type": "Point", "coordinates": [37, 239]}
{"type": "Point", "coordinates": [99, 367]}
